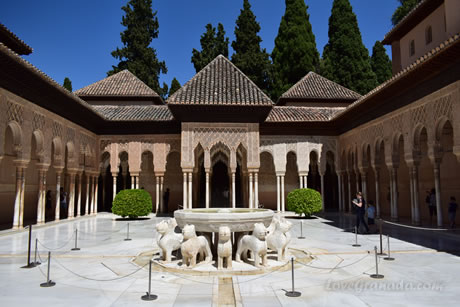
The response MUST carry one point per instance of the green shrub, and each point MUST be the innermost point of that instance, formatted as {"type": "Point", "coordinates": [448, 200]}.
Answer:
{"type": "Point", "coordinates": [306, 201]}
{"type": "Point", "coordinates": [132, 203]}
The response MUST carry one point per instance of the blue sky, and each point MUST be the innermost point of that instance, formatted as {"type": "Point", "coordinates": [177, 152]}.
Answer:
{"type": "Point", "coordinates": [75, 38]}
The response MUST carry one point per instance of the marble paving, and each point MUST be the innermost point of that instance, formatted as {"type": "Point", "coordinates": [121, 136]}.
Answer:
{"type": "Point", "coordinates": [424, 273]}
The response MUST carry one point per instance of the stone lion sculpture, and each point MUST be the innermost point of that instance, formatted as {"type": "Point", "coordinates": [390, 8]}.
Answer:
{"type": "Point", "coordinates": [168, 241]}
{"type": "Point", "coordinates": [192, 246]}
{"type": "Point", "coordinates": [224, 248]}
{"type": "Point", "coordinates": [256, 244]}
{"type": "Point", "coordinates": [278, 236]}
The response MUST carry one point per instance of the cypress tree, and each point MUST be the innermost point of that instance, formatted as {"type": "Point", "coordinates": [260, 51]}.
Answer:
{"type": "Point", "coordinates": [249, 57]}
{"type": "Point", "coordinates": [141, 28]}
{"type": "Point", "coordinates": [67, 84]}
{"type": "Point", "coordinates": [175, 85]}
{"type": "Point", "coordinates": [345, 58]}
{"type": "Point", "coordinates": [404, 8]}
{"type": "Point", "coordinates": [380, 63]}
{"type": "Point", "coordinates": [295, 53]}
{"type": "Point", "coordinates": [212, 44]}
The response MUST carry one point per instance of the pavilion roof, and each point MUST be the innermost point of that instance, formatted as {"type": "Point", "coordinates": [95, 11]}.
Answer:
{"type": "Point", "coordinates": [314, 86]}
{"type": "Point", "coordinates": [13, 42]}
{"type": "Point", "coordinates": [135, 112]}
{"type": "Point", "coordinates": [220, 83]}
{"type": "Point", "coordinates": [121, 84]}
{"type": "Point", "coordinates": [302, 114]}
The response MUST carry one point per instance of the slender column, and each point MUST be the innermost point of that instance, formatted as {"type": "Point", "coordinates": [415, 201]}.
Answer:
{"type": "Point", "coordinates": [133, 182]}
{"type": "Point", "coordinates": [437, 185]}
{"type": "Point", "coordinates": [93, 194]}
{"type": "Point", "coordinates": [157, 193]}
{"type": "Point", "coordinates": [58, 196]}
{"type": "Point", "coordinates": [71, 205]}
{"type": "Point", "coordinates": [161, 194]}
{"type": "Point", "coordinates": [41, 187]}
{"type": "Point", "coordinates": [96, 185]}
{"type": "Point", "coordinates": [184, 198]}
{"type": "Point", "coordinates": [305, 182]}
{"type": "Point", "coordinates": [416, 196]}
{"type": "Point", "coordinates": [282, 194]}
{"type": "Point", "coordinates": [339, 187]}
{"type": "Point", "coordinates": [349, 191]}
{"type": "Point", "coordinates": [344, 202]}
{"type": "Point", "coordinates": [377, 192]}
{"type": "Point", "coordinates": [114, 176]}
{"type": "Point", "coordinates": [103, 174]}
{"type": "Point", "coordinates": [322, 190]}
{"type": "Point", "coordinates": [44, 197]}
{"type": "Point", "coordinates": [394, 175]}
{"type": "Point", "coordinates": [357, 182]}
{"type": "Point", "coordinates": [88, 179]}
{"type": "Point", "coordinates": [190, 182]}
{"type": "Point", "coordinates": [301, 182]}
{"type": "Point", "coordinates": [233, 190]}
{"type": "Point", "coordinates": [278, 187]}
{"type": "Point", "coordinates": [256, 190]}
{"type": "Point", "coordinates": [412, 204]}
{"type": "Point", "coordinates": [79, 196]}
{"type": "Point", "coordinates": [251, 201]}
{"type": "Point", "coordinates": [364, 186]}
{"type": "Point", "coordinates": [207, 189]}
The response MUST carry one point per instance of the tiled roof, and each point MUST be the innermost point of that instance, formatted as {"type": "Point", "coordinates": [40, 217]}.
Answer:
{"type": "Point", "coordinates": [13, 42]}
{"type": "Point", "coordinates": [314, 86]}
{"type": "Point", "coordinates": [301, 114]}
{"type": "Point", "coordinates": [123, 84]}
{"type": "Point", "coordinates": [420, 61]}
{"type": "Point", "coordinates": [220, 83]}
{"type": "Point", "coordinates": [134, 113]}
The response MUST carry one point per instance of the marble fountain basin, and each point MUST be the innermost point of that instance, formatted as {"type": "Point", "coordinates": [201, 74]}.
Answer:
{"type": "Point", "coordinates": [237, 219]}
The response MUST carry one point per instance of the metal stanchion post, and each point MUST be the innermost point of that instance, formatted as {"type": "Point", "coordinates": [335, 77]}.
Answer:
{"type": "Point", "coordinates": [389, 256]}
{"type": "Point", "coordinates": [381, 240]}
{"type": "Point", "coordinates": [292, 293]}
{"type": "Point", "coordinates": [48, 282]}
{"type": "Point", "coordinates": [35, 256]}
{"type": "Point", "coordinates": [29, 265]}
{"type": "Point", "coordinates": [356, 238]}
{"type": "Point", "coordinates": [301, 231]}
{"type": "Point", "coordinates": [127, 235]}
{"type": "Point", "coordinates": [376, 275]}
{"type": "Point", "coordinates": [76, 240]}
{"type": "Point", "coordinates": [148, 296]}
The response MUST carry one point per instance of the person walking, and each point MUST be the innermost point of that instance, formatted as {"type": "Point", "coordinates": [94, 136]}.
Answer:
{"type": "Point", "coordinates": [360, 211]}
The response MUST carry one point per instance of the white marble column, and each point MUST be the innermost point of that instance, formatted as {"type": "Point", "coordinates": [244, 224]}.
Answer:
{"type": "Point", "coordinates": [377, 192]}
{"type": "Point", "coordinates": [207, 189]}
{"type": "Point", "coordinates": [416, 195]}
{"type": "Point", "coordinates": [58, 196]}
{"type": "Point", "coordinates": [437, 185]}
{"type": "Point", "coordinates": [114, 176]}
{"type": "Point", "coordinates": [71, 205]}
{"type": "Point", "coordinates": [233, 190]}
{"type": "Point", "coordinates": [339, 187]}
{"type": "Point", "coordinates": [88, 180]}
{"type": "Point", "coordinates": [256, 190]}
{"type": "Point", "coordinates": [283, 197]}
{"type": "Point", "coordinates": [364, 186]}
{"type": "Point", "coordinates": [96, 185]}
{"type": "Point", "coordinates": [394, 211]}
{"type": "Point", "coordinates": [278, 193]}
{"type": "Point", "coordinates": [349, 191]}
{"type": "Point", "coordinates": [79, 195]}
{"type": "Point", "coordinates": [162, 209]}
{"type": "Point", "coordinates": [251, 181]}
{"type": "Point", "coordinates": [300, 182]}
{"type": "Point", "coordinates": [41, 199]}
{"type": "Point", "coordinates": [103, 174]}
{"type": "Point", "coordinates": [305, 182]}
{"type": "Point", "coordinates": [411, 188]}
{"type": "Point", "coordinates": [157, 194]}
{"type": "Point", "coordinates": [93, 194]}
{"type": "Point", "coordinates": [184, 197]}
{"type": "Point", "coordinates": [190, 182]}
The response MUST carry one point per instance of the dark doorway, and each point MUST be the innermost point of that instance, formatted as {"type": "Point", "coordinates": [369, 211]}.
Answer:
{"type": "Point", "coordinates": [220, 187]}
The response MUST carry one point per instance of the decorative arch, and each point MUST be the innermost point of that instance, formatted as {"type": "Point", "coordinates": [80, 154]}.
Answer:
{"type": "Point", "coordinates": [15, 139]}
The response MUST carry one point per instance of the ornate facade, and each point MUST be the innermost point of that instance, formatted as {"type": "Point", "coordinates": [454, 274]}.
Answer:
{"type": "Point", "coordinates": [219, 141]}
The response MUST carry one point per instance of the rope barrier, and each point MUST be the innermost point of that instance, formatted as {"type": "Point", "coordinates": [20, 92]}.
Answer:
{"type": "Point", "coordinates": [415, 227]}
{"type": "Point", "coordinates": [56, 248]}
{"type": "Point", "coordinates": [334, 268]}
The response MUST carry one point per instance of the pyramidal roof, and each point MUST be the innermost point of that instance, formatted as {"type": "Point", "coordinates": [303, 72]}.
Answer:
{"type": "Point", "coordinates": [314, 86]}
{"type": "Point", "coordinates": [220, 83]}
{"type": "Point", "coordinates": [123, 84]}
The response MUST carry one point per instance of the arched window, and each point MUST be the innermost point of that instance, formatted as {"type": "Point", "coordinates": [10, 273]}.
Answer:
{"type": "Point", "coordinates": [428, 35]}
{"type": "Point", "coordinates": [411, 48]}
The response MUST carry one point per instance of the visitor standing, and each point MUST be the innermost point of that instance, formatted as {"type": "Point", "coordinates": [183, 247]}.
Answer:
{"type": "Point", "coordinates": [63, 202]}
{"type": "Point", "coordinates": [360, 211]}
{"type": "Point", "coordinates": [452, 211]}
{"type": "Point", "coordinates": [166, 200]}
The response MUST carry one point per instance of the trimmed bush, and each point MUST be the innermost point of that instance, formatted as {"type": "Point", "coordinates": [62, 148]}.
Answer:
{"type": "Point", "coordinates": [132, 203]}
{"type": "Point", "coordinates": [306, 201]}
